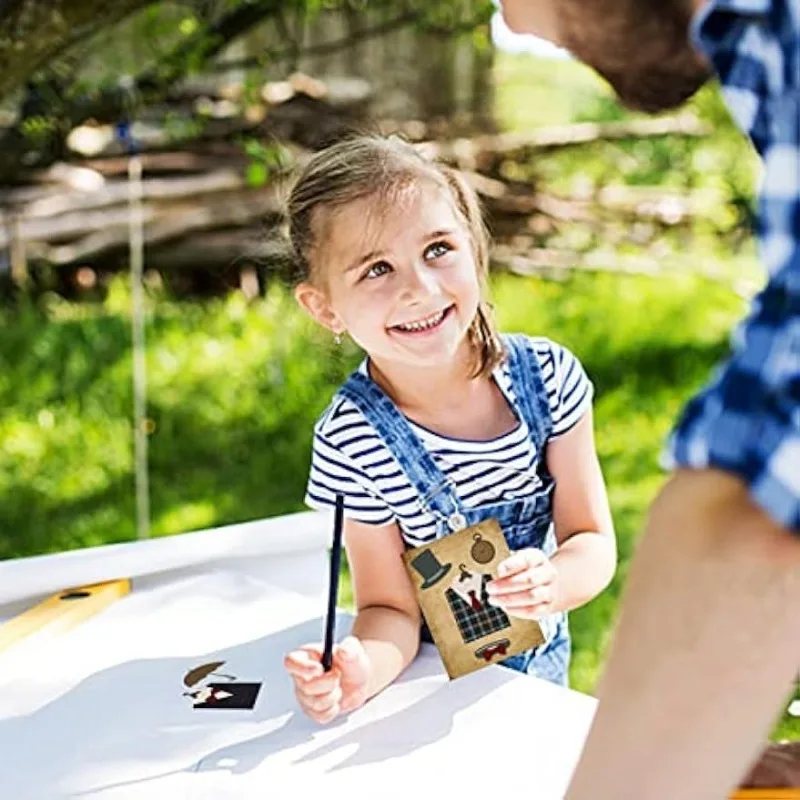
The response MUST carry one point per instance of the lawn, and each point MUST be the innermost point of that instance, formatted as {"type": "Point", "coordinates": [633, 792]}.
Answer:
{"type": "Point", "coordinates": [235, 387]}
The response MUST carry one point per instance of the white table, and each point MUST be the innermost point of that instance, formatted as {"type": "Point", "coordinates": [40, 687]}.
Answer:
{"type": "Point", "coordinates": [99, 712]}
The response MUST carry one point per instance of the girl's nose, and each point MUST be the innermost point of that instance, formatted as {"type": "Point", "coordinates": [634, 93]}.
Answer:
{"type": "Point", "coordinates": [419, 283]}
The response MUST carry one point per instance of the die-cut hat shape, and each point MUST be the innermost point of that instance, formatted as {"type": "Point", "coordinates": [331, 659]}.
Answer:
{"type": "Point", "coordinates": [430, 568]}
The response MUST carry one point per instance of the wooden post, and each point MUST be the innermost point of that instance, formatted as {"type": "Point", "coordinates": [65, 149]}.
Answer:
{"type": "Point", "coordinates": [139, 364]}
{"type": "Point", "coordinates": [19, 261]}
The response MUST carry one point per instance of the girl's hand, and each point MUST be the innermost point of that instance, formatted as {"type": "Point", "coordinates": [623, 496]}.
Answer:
{"type": "Point", "coordinates": [526, 585]}
{"type": "Point", "coordinates": [323, 696]}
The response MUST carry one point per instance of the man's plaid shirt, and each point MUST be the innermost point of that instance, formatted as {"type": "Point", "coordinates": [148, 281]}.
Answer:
{"type": "Point", "coordinates": [747, 421]}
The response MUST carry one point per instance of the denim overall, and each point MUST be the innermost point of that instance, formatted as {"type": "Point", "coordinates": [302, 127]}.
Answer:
{"type": "Point", "coordinates": [525, 522]}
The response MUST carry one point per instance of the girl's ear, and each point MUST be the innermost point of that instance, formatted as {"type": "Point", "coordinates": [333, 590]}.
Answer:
{"type": "Point", "coordinates": [315, 303]}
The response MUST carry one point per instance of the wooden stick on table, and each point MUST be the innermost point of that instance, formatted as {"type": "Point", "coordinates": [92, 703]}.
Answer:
{"type": "Point", "coordinates": [62, 611]}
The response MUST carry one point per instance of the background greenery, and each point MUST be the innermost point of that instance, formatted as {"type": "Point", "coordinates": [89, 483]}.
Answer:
{"type": "Point", "coordinates": [235, 387]}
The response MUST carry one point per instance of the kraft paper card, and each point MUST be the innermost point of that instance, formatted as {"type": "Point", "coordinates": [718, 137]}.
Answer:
{"type": "Point", "coordinates": [450, 576]}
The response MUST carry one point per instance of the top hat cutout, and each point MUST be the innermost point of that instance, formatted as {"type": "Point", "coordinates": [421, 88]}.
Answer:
{"type": "Point", "coordinates": [431, 569]}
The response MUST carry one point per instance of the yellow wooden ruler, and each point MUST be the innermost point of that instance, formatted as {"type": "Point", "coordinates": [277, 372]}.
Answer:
{"type": "Point", "coordinates": [62, 611]}
{"type": "Point", "coordinates": [766, 794]}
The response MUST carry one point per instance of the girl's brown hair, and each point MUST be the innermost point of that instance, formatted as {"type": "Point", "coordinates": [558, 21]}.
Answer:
{"type": "Point", "coordinates": [380, 167]}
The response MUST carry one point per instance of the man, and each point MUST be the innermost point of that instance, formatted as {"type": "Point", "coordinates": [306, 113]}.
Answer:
{"type": "Point", "coordinates": [709, 634]}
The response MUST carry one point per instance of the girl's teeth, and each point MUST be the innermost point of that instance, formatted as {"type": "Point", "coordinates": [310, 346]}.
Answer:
{"type": "Point", "coordinates": [423, 325]}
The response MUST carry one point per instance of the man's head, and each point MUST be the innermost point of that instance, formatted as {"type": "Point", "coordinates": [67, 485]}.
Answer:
{"type": "Point", "coordinates": [641, 47]}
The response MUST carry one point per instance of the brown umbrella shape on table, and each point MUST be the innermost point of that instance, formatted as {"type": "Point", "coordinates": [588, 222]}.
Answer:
{"type": "Point", "coordinates": [197, 674]}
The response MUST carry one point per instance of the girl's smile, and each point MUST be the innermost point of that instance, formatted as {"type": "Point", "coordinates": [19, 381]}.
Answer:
{"type": "Point", "coordinates": [424, 326]}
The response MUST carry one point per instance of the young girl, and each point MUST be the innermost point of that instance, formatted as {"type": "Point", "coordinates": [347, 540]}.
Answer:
{"type": "Point", "coordinates": [444, 424]}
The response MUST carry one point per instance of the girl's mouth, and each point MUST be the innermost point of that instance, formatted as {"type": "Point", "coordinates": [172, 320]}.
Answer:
{"type": "Point", "coordinates": [424, 325]}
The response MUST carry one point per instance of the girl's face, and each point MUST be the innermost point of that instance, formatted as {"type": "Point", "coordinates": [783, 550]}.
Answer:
{"type": "Point", "coordinates": [401, 280]}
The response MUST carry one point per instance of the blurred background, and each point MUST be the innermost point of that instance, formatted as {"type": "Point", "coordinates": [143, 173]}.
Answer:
{"type": "Point", "coordinates": [627, 238]}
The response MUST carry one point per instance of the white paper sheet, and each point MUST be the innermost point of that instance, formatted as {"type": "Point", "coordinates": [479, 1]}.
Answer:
{"type": "Point", "coordinates": [99, 713]}
{"type": "Point", "coordinates": [278, 536]}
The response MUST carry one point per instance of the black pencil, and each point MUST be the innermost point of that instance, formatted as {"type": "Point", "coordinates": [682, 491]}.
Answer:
{"type": "Point", "coordinates": [333, 584]}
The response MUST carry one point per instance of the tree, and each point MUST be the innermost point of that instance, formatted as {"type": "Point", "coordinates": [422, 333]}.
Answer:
{"type": "Point", "coordinates": [46, 41]}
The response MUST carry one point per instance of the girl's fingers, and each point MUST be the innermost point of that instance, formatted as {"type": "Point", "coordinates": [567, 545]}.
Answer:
{"type": "Point", "coordinates": [539, 576]}
{"type": "Point", "coordinates": [305, 662]}
{"type": "Point", "coordinates": [539, 595]}
{"type": "Point", "coordinates": [529, 558]}
{"type": "Point", "coordinates": [302, 669]}
{"type": "Point", "coordinates": [316, 687]}
{"type": "Point", "coordinates": [319, 704]}
{"type": "Point", "coordinates": [324, 717]}
{"type": "Point", "coordinates": [324, 695]}
{"type": "Point", "coordinates": [308, 652]}
{"type": "Point", "coordinates": [352, 662]}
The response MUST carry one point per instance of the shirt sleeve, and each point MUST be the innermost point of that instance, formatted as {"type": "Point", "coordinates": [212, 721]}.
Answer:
{"type": "Point", "coordinates": [745, 421]}
{"type": "Point", "coordinates": [333, 472]}
{"type": "Point", "coordinates": [572, 393]}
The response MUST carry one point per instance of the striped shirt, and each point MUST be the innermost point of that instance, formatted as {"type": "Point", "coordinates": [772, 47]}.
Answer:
{"type": "Point", "coordinates": [350, 458]}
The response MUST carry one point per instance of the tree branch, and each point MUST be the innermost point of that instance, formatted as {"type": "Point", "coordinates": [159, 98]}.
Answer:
{"type": "Point", "coordinates": [336, 45]}
{"type": "Point", "coordinates": [325, 48]}
{"type": "Point", "coordinates": [62, 112]}
{"type": "Point", "coordinates": [112, 103]}
{"type": "Point", "coordinates": [196, 50]}
{"type": "Point", "coordinates": [35, 32]}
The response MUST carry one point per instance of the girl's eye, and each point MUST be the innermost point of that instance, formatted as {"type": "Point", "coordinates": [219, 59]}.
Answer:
{"type": "Point", "coordinates": [376, 270]}
{"type": "Point", "coordinates": [437, 250]}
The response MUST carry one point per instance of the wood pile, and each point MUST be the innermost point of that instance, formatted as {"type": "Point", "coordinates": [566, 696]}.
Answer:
{"type": "Point", "coordinates": [203, 212]}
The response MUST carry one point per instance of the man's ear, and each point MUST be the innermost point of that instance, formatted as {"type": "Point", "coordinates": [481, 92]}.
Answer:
{"type": "Point", "coordinates": [315, 303]}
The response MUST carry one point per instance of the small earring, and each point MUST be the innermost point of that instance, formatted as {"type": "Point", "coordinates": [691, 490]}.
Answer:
{"type": "Point", "coordinates": [337, 338]}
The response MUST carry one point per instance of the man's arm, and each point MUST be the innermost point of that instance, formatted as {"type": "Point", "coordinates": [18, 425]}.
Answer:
{"type": "Point", "coordinates": [705, 650]}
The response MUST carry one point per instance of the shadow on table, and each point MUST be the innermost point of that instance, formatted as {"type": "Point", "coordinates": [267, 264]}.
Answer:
{"type": "Point", "coordinates": [416, 726]}
{"type": "Point", "coordinates": [399, 733]}
{"type": "Point", "coordinates": [131, 723]}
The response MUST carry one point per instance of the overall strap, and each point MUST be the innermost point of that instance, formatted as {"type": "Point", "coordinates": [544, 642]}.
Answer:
{"type": "Point", "coordinates": [529, 388]}
{"type": "Point", "coordinates": [434, 489]}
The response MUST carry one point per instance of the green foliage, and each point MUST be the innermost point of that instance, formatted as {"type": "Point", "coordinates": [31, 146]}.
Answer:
{"type": "Point", "coordinates": [150, 38]}
{"type": "Point", "coordinates": [182, 127]}
{"type": "Point", "coordinates": [265, 158]}
{"type": "Point", "coordinates": [38, 128]}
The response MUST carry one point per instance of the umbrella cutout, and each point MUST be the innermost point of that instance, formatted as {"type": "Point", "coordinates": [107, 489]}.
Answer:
{"type": "Point", "coordinates": [197, 674]}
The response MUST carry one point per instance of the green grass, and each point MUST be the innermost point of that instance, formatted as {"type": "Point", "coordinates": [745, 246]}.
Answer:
{"type": "Point", "coordinates": [232, 396]}
{"type": "Point", "coordinates": [235, 388]}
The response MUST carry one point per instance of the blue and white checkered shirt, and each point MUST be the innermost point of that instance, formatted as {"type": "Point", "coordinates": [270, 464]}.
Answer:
{"type": "Point", "coordinates": [747, 421]}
